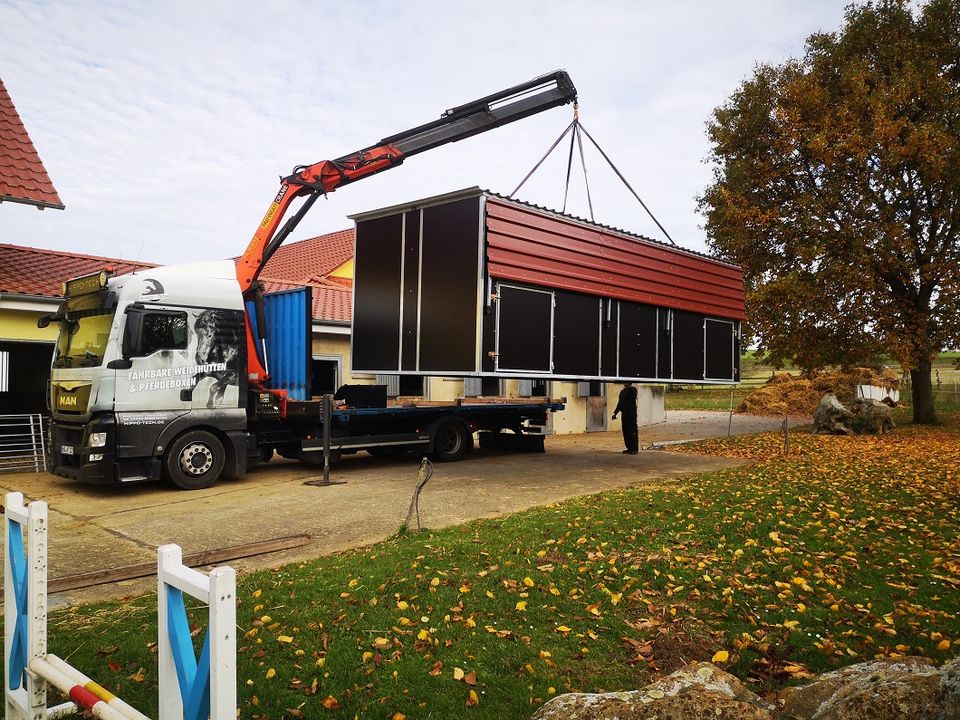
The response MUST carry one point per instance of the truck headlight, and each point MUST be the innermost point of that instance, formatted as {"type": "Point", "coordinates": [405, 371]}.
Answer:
{"type": "Point", "coordinates": [97, 439]}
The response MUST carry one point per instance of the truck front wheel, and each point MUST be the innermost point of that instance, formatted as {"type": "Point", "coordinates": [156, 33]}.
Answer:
{"type": "Point", "coordinates": [451, 441]}
{"type": "Point", "coordinates": [194, 460]}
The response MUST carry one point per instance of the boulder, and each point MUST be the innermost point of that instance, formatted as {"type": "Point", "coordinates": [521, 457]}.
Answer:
{"type": "Point", "coordinates": [698, 690]}
{"type": "Point", "coordinates": [908, 689]}
{"type": "Point", "coordinates": [831, 417]}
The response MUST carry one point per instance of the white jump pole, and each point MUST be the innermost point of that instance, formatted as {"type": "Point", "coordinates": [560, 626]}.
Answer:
{"type": "Point", "coordinates": [190, 688]}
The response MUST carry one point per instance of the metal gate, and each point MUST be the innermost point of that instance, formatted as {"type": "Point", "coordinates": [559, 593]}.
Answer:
{"type": "Point", "coordinates": [22, 443]}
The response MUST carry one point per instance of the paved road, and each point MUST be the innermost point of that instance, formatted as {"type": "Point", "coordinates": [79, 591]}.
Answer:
{"type": "Point", "coordinates": [95, 528]}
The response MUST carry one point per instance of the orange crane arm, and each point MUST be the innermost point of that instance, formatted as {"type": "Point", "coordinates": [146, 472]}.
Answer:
{"type": "Point", "coordinates": [313, 181]}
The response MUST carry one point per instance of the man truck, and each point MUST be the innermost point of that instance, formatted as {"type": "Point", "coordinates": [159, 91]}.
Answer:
{"type": "Point", "coordinates": [164, 373]}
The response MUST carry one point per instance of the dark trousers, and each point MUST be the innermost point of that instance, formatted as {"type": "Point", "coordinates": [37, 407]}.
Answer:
{"type": "Point", "coordinates": [629, 425]}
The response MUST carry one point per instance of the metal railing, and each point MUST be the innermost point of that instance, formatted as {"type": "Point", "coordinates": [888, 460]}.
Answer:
{"type": "Point", "coordinates": [22, 443]}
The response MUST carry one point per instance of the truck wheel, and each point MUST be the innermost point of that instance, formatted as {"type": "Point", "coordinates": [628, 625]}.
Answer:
{"type": "Point", "coordinates": [194, 460]}
{"type": "Point", "coordinates": [451, 441]}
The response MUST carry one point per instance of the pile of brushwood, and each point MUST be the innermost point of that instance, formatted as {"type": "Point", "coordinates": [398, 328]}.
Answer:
{"type": "Point", "coordinates": [786, 394]}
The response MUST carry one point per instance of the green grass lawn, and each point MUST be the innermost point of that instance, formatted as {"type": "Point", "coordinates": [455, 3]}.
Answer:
{"type": "Point", "coordinates": [844, 551]}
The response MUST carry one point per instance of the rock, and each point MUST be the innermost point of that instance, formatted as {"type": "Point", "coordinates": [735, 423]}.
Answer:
{"type": "Point", "coordinates": [698, 690]}
{"type": "Point", "coordinates": [908, 689]}
{"type": "Point", "coordinates": [831, 417]}
{"type": "Point", "coordinates": [871, 416]}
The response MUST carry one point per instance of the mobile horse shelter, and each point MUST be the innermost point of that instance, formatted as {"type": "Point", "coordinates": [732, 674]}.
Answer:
{"type": "Point", "coordinates": [477, 284]}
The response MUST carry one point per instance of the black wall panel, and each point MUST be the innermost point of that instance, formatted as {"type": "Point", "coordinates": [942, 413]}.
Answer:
{"type": "Point", "coordinates": [376, 311]}
{"type": "Point", "coordinates": [524, 329]}
{"type": "Point", "coordinates": [608, 338]}
{"type": "Point", "coordinates": [736, 352]}
{"type": "Point", "coordinates": [411, 278]}
{"type": "Point", "coordinates": [687, 346]}
{"type": "Point", "coordinates": [665, 345]}
{"type": "Point", "coordinates": [576, 335]}
{"type": "Point", "coordinates": [448, 295]}
{"type": "Point", "coordinates": [720, 361]}
{"type": "Point", "coordinates": [638, 340]}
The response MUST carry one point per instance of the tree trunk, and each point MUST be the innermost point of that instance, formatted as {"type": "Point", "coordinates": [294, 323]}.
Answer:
{"type": "Point", "coordinates": [922, 385]}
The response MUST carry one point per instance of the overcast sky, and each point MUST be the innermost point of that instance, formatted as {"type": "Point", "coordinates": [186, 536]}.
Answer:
{"type": "Point", "coordinates": [164, 125]}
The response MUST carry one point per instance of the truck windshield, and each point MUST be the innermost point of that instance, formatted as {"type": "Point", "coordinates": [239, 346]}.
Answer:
{"type": "Point", "coordinates": [84, 328]}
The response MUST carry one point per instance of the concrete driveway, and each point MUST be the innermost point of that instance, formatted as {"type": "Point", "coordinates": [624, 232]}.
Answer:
{"type": "Point", "coordinates": [95, 528]}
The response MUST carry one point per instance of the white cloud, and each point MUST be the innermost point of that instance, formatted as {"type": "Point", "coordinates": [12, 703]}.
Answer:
{"type": "Point", "coordinates": [165, 125]}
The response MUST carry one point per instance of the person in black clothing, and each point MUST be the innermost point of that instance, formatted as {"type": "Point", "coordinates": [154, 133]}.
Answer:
{"type": "Point", "coordinates": [627, 406]}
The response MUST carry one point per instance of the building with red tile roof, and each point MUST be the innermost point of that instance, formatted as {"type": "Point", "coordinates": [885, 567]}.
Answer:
{"type": "Point", "coordinates": [323, 263]}
{"type": "Point", "coordinates": [311, 260]}
{"type": "Point", "coordinates": [41, 273]}
{"type": "Point", "coordinates": [23, 179]}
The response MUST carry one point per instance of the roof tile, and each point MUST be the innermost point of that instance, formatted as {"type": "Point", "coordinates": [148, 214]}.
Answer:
{"type": "Point", "coordinates": [32, 271]}
{"type": "Point", "coordinates": [22, 175]}
{"type": "Point", "coordinates": [307, 260]}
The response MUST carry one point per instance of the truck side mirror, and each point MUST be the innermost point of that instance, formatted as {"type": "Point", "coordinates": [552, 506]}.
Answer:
{"type": "Point", "coordinates": [132, 329]}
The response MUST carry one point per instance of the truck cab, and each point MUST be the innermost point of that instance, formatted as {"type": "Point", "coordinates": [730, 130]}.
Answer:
{"type": "Point", "coordinates": [140, 359]}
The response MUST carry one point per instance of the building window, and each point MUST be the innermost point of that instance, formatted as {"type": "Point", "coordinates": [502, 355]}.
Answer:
{"type": "Point", "coordinates": [4, 371]}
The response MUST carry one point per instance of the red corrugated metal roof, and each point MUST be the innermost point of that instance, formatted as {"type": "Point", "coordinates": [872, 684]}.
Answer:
{"type": "Point", "coordinates": [312, 259]}
{"type": "Point", "coordinates": [526, 244]}
{"type": "Point", "coordinates": [22, 175]}
{"type": "Point", "coordinates": [32, 271]}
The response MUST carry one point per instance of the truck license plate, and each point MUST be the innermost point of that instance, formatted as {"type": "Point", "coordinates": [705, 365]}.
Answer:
{"type": "Point", "coordinates": [66, 449]}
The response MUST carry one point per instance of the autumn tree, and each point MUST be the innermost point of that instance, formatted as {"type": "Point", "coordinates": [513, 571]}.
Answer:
{"type": "Point", "coordinates": [837, 187]}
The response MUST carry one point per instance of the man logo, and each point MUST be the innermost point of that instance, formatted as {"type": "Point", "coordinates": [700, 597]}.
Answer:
{"type": "Point", "coordinates": [68, 400]}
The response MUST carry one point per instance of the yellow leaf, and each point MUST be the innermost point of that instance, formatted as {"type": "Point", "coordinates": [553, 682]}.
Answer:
{"type": "Point", "coordinates": [367, 656]}
{"type": "Point", "coordinates": [615, 598]}
{"type": "Point", "coordinates": [353, 583]}
{"type": "Point", "coordinates": [138, 676]}
{"type": "Point", "coordinates": [458, 673]}
{"type": "Point", "coordinates": [473, 699]}
{"type": "Point", "coordinates": [522, 605]}
{"type": "Point", "coordinates": [721, 656]}
{"type": "Point", "coordinates": [331, 703]}
{"type": "Point", "coordinates": [423, 634]}
{"type": "Point", "coordinates": [593, 610]}
{"type": "Point", "coordinates": [284, 638]}
{"type": "Point", "coordinates": [256, 593]}
{"type": "Point", "coordinates": [562, 629]}
{"type": "Point", "coordinates": [464, 589]}
{"type": "Point", "coordinates": [435, 582]}
{"type": "Point", "coordinates": [489, 594]}
{"type": "Point", "coordinates": [271, 673]}
{"type": "Point", "coordinates": [943, 645]}
{"type": "Point", "coordinates": [528, 581]}
{"type": "Point", "coordinates": [399, 716]}
{"type": "Point", "coordinates": [554, 590]}
{"type": "Point", "coordinates": [381, 643]}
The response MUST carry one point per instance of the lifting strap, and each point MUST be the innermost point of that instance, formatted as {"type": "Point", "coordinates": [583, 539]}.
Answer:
{"type": "Point", "coordinates": [576, 130]}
